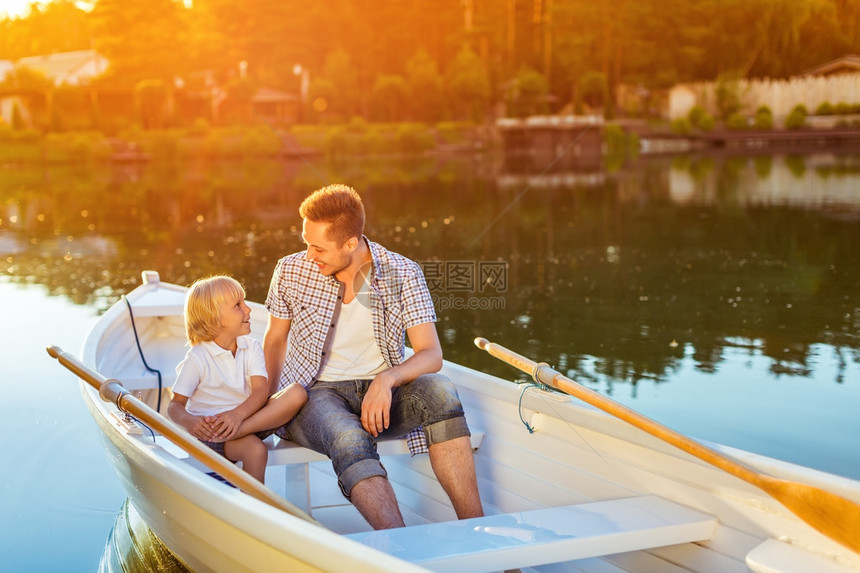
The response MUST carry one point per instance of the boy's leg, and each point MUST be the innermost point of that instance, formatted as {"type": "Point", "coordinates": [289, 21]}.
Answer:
{"type": "Point", "coordinates": [252, 452]}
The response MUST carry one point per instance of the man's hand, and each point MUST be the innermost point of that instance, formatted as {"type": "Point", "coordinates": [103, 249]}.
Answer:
{"type": "Point", "coordinates": [376, 406]}
{"type": "Point", "coordinates": [227, 424]}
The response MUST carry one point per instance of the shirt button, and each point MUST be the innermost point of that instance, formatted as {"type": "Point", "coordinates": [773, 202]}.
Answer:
{"type": "Point", "coordinates": [332, 325]}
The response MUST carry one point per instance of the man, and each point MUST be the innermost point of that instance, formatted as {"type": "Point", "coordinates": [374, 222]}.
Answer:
{"type": "Point", "coordinates": [338, 313]}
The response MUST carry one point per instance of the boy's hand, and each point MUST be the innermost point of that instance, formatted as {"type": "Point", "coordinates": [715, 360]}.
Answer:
{"type": "Point", "coordinates": [226, 425]}
{"type": "Point", "coordinates": [201, 427]}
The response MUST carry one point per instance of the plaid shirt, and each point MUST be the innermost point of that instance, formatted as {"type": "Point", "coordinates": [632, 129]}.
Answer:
{"type": "Point", "coordinates": [311, 301]}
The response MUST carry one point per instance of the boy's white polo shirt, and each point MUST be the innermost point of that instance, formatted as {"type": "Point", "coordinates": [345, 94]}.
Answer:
{"type": "Point", "coordinates": [216, 381]}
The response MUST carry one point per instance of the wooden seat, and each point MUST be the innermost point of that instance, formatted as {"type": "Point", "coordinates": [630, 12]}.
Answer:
{"type": "Point", "coordinates": [544, 536]}
{"type": "Point", "coordinates": [296, 458]}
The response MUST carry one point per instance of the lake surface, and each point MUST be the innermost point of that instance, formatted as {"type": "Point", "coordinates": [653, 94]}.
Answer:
{"type": "Point", "coordinates": [717, 295]}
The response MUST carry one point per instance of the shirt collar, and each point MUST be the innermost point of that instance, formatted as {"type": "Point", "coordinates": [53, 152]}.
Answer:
{"type": "Point", "coordinates": [376, 255]}
{"type": "Point", "coordinates": [214, 350]}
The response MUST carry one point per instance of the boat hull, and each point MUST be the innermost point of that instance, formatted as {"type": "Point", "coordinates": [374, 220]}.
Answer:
{"type": "Point", "coordinates": [573, 454]}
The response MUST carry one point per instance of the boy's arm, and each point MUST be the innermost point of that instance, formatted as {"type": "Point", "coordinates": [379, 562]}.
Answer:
{"type": "Point", "coordinates": [227, 423]}
{"type": "Point", "coordinates": [199, 426]}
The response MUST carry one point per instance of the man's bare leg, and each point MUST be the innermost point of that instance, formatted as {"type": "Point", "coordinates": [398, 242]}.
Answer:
{"type": "Point", "coordinates": [454, 466]}
{"type": "Point", "coordinates": [374, 499]}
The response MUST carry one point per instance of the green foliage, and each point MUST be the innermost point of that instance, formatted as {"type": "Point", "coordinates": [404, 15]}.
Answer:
{"type": "Point", "coordinates": [728, 96]}
{"type": "Point", "coordinates": [468, 85]}
{"type": "Point", "coordinates": [763, 118]}
{"type": "Point", "coordinates": [425, 87]}
{"type": "Point", "coordinates": [413, 138]}
{"type": "Point", "coordinates": [695, 115]}
{"type": "Point", "coordinates": [842, 108]}
{"type": "Point", "coordinates": [737, 122]}
{"type": "Point", "coordinates": [681, 126]}
{"type": "Point", "coordinates": [25, 78]}
{"type": "Point", "coordinates": [527, 93]}
{"type": "Point", "coordinates": [700, 119]}
{"type": "Point", "coordinates": [796, 118]}
{"type": "Point", "coordinates": [199, 127]}
{"type": "Point", "coordinates": [454, 132]}
{"type": "Point", "coordinates": [390, 96]}
{"type": "Point", "coordinates": [593, 89]}
{"type": "Point", "coordinates": [824, 109]}
{"type": "Point", "coordinates": [796, 165]}
{"type": "Point", "coordinates": [620, 145]}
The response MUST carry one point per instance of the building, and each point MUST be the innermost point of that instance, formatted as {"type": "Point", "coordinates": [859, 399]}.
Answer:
{"type": "Point", "coordinates": [70, 68]}
{"type": "Point", "coordinates": [848, 64]}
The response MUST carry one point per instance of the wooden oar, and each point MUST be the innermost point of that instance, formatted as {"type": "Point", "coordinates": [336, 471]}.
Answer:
{"type": "Point", "coordinates": [832, 515]}
{"type": "Point", "coordinates": [112, 391]}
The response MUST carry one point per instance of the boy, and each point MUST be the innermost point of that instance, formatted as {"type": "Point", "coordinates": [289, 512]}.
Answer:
{"type": "Point", "coordinates": [221, 389]}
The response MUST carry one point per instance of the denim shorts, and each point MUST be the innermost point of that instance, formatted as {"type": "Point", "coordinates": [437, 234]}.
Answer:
{"type": "Point", "coordinates": [330, 422]}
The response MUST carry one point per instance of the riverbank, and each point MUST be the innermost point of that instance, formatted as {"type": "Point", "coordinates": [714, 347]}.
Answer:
{"type": "Point", "coordinates": [201, 141]}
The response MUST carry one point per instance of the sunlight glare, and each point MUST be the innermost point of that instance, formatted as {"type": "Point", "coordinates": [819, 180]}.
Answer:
{"type": "Point", "coordinates": [20, 8]}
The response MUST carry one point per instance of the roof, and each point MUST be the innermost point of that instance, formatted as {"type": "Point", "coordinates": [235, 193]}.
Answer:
{"type": "Point", "coordinates": [847, 64]}
{"type": "Point", "coordinates": [64, 65]}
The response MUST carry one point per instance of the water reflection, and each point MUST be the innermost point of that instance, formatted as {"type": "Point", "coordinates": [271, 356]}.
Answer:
{"type": "Point", "coordinates": [132, 547]}
{"type": "Point", "coordinates": [613, 277]}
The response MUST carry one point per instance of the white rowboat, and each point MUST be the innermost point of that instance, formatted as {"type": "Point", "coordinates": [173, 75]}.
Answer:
{"type": "Point", "coordinates": [577, 491]}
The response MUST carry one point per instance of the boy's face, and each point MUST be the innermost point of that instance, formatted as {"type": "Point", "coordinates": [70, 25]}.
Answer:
{"type": "Point", "coordinates": [329, 257]}
{"type": "Point", "coordinates": [235, 317]}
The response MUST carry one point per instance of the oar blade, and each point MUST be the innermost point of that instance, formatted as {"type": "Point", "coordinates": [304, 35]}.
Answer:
{"type": "Point", "coordinates": [831, 514]}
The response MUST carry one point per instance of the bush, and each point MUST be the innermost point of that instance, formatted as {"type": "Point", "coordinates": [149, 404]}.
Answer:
{"type": "Point", "coordinates": [797, 118]}
{"type": "Point", "coordinates": [763, 118]}
{"type": "Point", "coordinates": [695, 115]}
{"type": "Point", "coordinates": [736, 122]}
{"type": "Point", "coordinates": [824, 109]}
{"type": "Point", "coordinates": [199, 127]}
{"type": "Point", "coordinates": [414, 138]}
{"type": "Point", "coordinates": [357, 125]}
{"type": "Point", "coordinates": [700, 119]}
{"type": "Point", "coordinates": [454, 131]}
{"type": "Point", "coordinates": [842, 109]}
{"type": "Point", "coordinates": [681, 125]}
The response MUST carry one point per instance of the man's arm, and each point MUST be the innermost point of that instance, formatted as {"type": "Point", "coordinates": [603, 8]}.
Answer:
{"type": "Point", "coordinates": [376, 406]}
{"type": "Point", "coordinates": [275, 349]}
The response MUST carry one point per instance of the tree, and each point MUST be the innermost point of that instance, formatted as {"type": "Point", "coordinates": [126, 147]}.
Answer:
{"type": "Point", "coordinates": [390, 97]}
{"type": "Point", "coordinates": [142, 39]}
{"type": "Point", "coordinates": [468, 85]}
{"type": "Point", "coordinates": [58, 26]}
{"type": "Point", "coordinates": [527, 93]}
{"type": "Point", "coordinates": [425, 87]}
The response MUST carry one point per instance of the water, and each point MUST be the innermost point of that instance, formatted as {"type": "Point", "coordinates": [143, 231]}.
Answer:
{"type": "Point", "coordinates": [719, 296]}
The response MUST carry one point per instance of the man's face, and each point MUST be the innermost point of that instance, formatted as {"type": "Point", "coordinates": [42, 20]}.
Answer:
{"type": "Point", "coordinates": [329, 257]}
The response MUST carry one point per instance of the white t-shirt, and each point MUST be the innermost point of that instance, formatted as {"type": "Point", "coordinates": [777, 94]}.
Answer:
{"type": "Point", "coordinates": [354, 353]}
{"type": "Point", "coordinates": [216, 381]}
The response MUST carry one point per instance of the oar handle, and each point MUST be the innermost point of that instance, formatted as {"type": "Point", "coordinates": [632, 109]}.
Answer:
{"type": "Point", "coordinates": [112, 391]}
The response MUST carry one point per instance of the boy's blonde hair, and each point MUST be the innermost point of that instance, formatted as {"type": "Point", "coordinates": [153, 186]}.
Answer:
{"type": "Point", "coordinates": [203, 306]}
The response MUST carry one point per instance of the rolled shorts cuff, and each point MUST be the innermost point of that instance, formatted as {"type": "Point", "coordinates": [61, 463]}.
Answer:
{"type": "Point", "coordinates": [445, 430]}
{"type": "Point", "coordinates": [357, 472]}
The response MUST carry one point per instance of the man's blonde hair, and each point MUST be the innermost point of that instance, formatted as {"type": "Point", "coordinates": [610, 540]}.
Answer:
{"type": "Point", "coordinates": [203, 306]}
{"type": "Point", "coordinates": [340, 207]}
